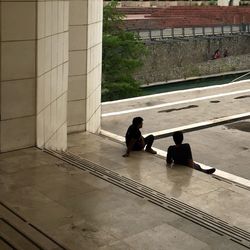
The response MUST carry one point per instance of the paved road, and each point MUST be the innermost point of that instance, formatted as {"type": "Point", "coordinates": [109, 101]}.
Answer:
{"type": "Point", "coordinates": [177, 108]}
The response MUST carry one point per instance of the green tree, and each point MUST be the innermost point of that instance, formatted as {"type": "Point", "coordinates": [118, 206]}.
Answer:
{"type": "Point", "coordinates": [112, 19]}
{"type": "Point", "coordinates": [122, 52]}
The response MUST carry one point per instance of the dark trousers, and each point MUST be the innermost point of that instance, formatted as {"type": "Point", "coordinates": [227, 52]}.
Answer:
{"type": "Point", "coordinates": [197, 167]}
{"type": "Point", "coordinates": [148, 143]}
{"type": "Point", "coordinates": [207, 171]}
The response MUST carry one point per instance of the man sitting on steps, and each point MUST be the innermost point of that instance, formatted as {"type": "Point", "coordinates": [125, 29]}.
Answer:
{"type": "Point", "coordinates": [181, 154]}
{"type": "Point", "coordinates": [135, 141]}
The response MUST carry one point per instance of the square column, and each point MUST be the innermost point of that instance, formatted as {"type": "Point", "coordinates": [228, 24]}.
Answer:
{"type": "Point", "coordinates": [85, 60]}
{"type": "Point", "coordinates": [52, 73]}
{"type": "Point", "coordinates": [33, 73]}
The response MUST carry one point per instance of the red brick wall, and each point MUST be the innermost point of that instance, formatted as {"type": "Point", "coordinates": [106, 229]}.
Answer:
{"type": "Point", "coordinates": [160, 18]}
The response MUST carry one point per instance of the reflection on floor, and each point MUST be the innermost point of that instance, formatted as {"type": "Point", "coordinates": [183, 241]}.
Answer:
{"type": "Point", "coordinates": [47, 203]}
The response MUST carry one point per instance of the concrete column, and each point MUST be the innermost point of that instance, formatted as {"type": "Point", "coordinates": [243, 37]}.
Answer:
{"type": "Point", "coordinates": [34, 72]}
{"type": "Point", "coordinates": [52, 73]}
{"type": "Point", "coordinates": [85, 59]}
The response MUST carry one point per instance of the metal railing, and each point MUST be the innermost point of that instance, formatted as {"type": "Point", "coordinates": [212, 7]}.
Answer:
{"type": "Point", "coordinates": [240, 77]}
{"type": "Point", "coordinates": [161, 34]}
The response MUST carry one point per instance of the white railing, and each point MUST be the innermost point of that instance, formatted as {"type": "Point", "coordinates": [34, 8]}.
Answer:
{"type": "Point", "coordinates": [241, 77]}
{"type": "Point", "coordinates": [160, 34]}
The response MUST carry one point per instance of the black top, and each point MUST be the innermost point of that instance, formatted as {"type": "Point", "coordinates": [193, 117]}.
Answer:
{"type": "Point", "coordinates": [133, 132]}
{"type": "Point", "coordinates": [180, 155]}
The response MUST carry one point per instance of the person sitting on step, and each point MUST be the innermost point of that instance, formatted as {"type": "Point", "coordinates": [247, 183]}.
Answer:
{"type": "Point", "coordinates": [135, 141]}
{"type": "Point", "coordinates": [181, 154]}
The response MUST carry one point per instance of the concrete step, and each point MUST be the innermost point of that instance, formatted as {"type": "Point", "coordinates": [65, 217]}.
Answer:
{"type": "Point", "coordinates": [17, 233]}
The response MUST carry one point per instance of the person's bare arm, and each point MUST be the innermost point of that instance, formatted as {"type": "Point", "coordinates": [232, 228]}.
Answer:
{"type": "Point", "coordinates": [142, 142]}
{"type": "Point", "coordinates": [169, 162]}
{"type": "Point", "coordinates": [169, 159]}
{"type": "Point", "coordinates": [129, 147]}
{"type": "Point", "coordinates": [190, 160]}
{"type": "Point", "coordinates": [191, 163]}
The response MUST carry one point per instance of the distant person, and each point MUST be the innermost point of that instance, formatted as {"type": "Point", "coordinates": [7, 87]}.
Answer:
{"type": "Point", "coordinates": [135, 141]}
{"type": "Point", "coordinates": [225, 54]}
{"type": "Point", "coordinates": [217, 54]}
{"type": "Point", "coordinates": [181, 154]}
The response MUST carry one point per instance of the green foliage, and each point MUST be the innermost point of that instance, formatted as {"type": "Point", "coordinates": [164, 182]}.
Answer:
{"type": "Point", "coordinates": [194, 71]}
{"type": "Point", "coordinates": [242, 3]}
{"type": "Point", "coordinates": [122, 52]}
{"type": "Point", "coordinates": [212, 2]}
{"type": "Point", "coordinates": [119, 90]}
{"type": "Point", "coordinates": [121, 56]}
{"type": "Point", "coordinates": [112, 19]}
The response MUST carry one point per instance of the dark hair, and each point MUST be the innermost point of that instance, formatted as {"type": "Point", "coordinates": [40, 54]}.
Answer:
{"type": "Point", "coordinates": [137, 121]}
{"type": "Point", "coordinates": [178, 137]}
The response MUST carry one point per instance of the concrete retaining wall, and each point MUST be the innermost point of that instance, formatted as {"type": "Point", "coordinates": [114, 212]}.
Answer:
{"type": "Point", "coordinates": [187, 58]}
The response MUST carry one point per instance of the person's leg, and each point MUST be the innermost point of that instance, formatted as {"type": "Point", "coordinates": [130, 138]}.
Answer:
{"type": "Point", "coordinates": [148, 143]}
{"type": "Point", "coordinates": [137, 146]}
{"type": "Point", "coordinates": [207, 171]}
{"type": "Point", "coordinates": [197, 167]}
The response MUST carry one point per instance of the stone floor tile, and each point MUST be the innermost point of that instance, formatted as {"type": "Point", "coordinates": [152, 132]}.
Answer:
{"type": "Point", "coordinates": [132, 218]}
{"type": "Point", "coordinates": [165, 237]}
{"type": "Point", "coordinates": [20, 160]}
{"type": "Point", "coordinates": [84, 236]}
{"type": "Point", "coordinates": [187, 185]}
{"type": "Point", "coordinates": [227, 205]}
{"type": "Point", "coordinates": [117, 246]}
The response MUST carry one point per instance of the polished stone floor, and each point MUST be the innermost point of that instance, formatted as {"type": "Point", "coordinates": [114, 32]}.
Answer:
{"type": "Point", "coordinates": [59, 206]}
